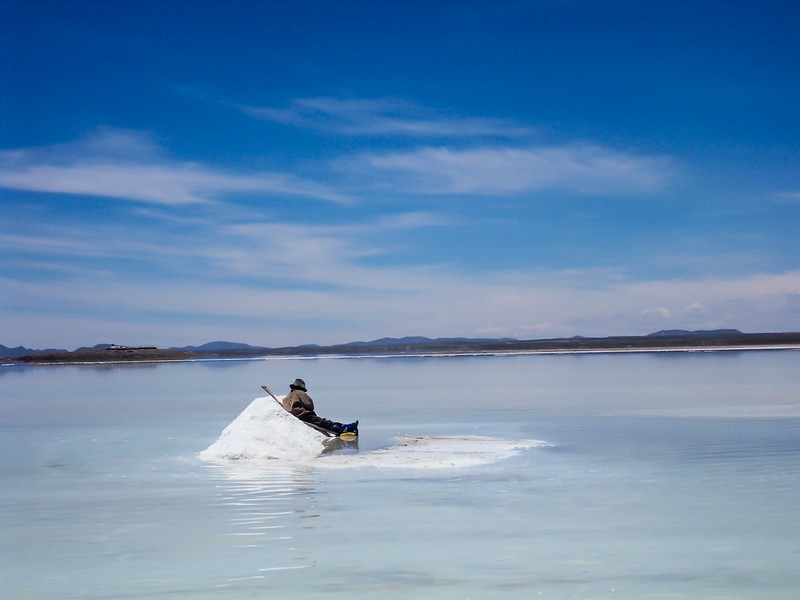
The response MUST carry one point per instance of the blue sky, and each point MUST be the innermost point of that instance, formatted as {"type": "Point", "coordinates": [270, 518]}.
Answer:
{"type": "Point", "coordinates": [282, 173]}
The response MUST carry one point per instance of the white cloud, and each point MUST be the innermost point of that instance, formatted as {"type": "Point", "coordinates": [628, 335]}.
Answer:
{"type": "Point", "coordinates": [261, 287]}
{"type": "Point", "coordinates": [790, 196]}
{"type": "Point", "coordinates": [127, 165]}
{"type": "Point", "coordinates": [585, 169]}
{"type": "Point", "coordinates": [657, 313]}
{"type": "Point", "coordinates": [382, 117]}
{"type": "Point", "coordinates": [757, 302]}
{"type": "Point", "coordinates": [286, 254]}
{"type": "Point", "coordinates": [413, 220]}
{"type": "Point", "coordinates": [696, 310]}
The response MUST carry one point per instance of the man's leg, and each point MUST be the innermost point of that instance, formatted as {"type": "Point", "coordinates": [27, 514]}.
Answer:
{"type": "Point", "coordinates": [315, 419]}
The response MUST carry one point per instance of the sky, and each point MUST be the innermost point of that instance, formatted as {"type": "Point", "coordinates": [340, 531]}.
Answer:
{"type": "Point", "coordinates": [294, 172]}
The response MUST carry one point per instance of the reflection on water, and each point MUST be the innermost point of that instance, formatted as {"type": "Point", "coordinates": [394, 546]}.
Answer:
{"type": "Point", "coordinates": [337, 444]}
{"type": "Point", "coordinates": [263, 503]}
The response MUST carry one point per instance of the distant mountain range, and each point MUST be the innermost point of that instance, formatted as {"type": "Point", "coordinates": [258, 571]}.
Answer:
{"type": "Point", "coordinates": [678, 332]}
{"type": "Point", "coordinates": [22, 351]}
{"type": "Point", "coordinates": [421, 341]}
{"type": "Point", "coordinates": [220, 347]}
{"type": "Point", "coordinates": [387, 341]}
{"type": "Point", "coordinates": [668, 337]}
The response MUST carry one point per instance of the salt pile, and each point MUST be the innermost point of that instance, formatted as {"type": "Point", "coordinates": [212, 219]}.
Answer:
{"type": "Point", "coordinates": [264, 430]}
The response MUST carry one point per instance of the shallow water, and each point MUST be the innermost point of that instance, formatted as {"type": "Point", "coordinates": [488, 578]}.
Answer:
{"type": "Point", "coordinates": [666, 476]}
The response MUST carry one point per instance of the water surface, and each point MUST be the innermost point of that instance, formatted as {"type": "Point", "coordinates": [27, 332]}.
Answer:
{"type": "Point", "coordinates": [666, 476]}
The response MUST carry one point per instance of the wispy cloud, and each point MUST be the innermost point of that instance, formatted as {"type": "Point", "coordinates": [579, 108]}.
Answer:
{"type": "Point", "coordinates": [383, 117]}
{"type": "Point", "coordinates": [578, 168]}
{"type": "Point", "coordinates": [414, 220]}
{"type": "Point", "coordinates": [359, 302]}
{"type": "Point", "coordinates": [463, 162]}
{"type": "Point", "coordinates": [256, 281]}
{"type": "Point", "coordinates": [127, 165]}
{"type": "Point", "coordinates": [789, 196]}
{"type": "Point", "coordinates": [332, 257]}
{"type": "Point", "coordinates": [255, 252]}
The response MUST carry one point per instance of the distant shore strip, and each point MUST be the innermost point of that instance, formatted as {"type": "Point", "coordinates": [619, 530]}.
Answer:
{"type": "Point", "coordinates": [690, 343]}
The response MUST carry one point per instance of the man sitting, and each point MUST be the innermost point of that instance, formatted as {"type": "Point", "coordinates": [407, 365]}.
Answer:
{"type": "Point", "coordinates": [300, 404]}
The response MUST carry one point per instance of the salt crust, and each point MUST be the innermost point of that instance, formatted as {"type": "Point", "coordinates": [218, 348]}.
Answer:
{"type": "Point", "coordinates": [264, 431]}
{"type": "Point", "coordinates": [433, 452]}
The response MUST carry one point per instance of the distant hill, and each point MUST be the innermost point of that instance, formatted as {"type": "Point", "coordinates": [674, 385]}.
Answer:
{"type": "Point", "coordinates": [222, 347]}
{"type": "Point", "coordinates": [421, 341]}
{"type": "Point", "coordinates": [679, 332]}
{"type": "Point", "coordinates": [22, 351]}
{"type": "Point", "coordinates": [95, 347]}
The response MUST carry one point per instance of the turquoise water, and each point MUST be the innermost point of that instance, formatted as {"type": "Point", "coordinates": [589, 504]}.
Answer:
{"type": "Point", "coordinates": [665, 476]}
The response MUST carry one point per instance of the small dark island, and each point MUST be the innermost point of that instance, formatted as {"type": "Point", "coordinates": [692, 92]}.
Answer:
{"type": "Point", "coordinates": [106, 355]}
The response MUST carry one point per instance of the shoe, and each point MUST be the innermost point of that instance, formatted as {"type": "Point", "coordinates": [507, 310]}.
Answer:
{"type": "Point", "coordinates": [351, 428]}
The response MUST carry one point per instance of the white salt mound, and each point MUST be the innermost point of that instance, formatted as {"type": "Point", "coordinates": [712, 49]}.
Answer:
{"type": "Point", "coordinates": [264, 430]}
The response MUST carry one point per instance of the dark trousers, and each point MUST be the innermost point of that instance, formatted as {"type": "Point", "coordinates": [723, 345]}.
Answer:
{"type": "Point", "coordinates": [315, 419]}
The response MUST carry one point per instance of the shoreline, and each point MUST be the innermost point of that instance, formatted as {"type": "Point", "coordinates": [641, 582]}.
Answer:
{"type": "Point", "coordinates": [101, 357]}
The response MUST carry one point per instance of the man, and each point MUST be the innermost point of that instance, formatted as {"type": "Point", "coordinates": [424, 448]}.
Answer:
{"type": "Point", "coordinates": [300, 404]}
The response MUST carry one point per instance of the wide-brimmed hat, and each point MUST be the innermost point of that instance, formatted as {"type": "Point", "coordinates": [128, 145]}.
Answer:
{"type": "Point", "coordinates": [298, 384]}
